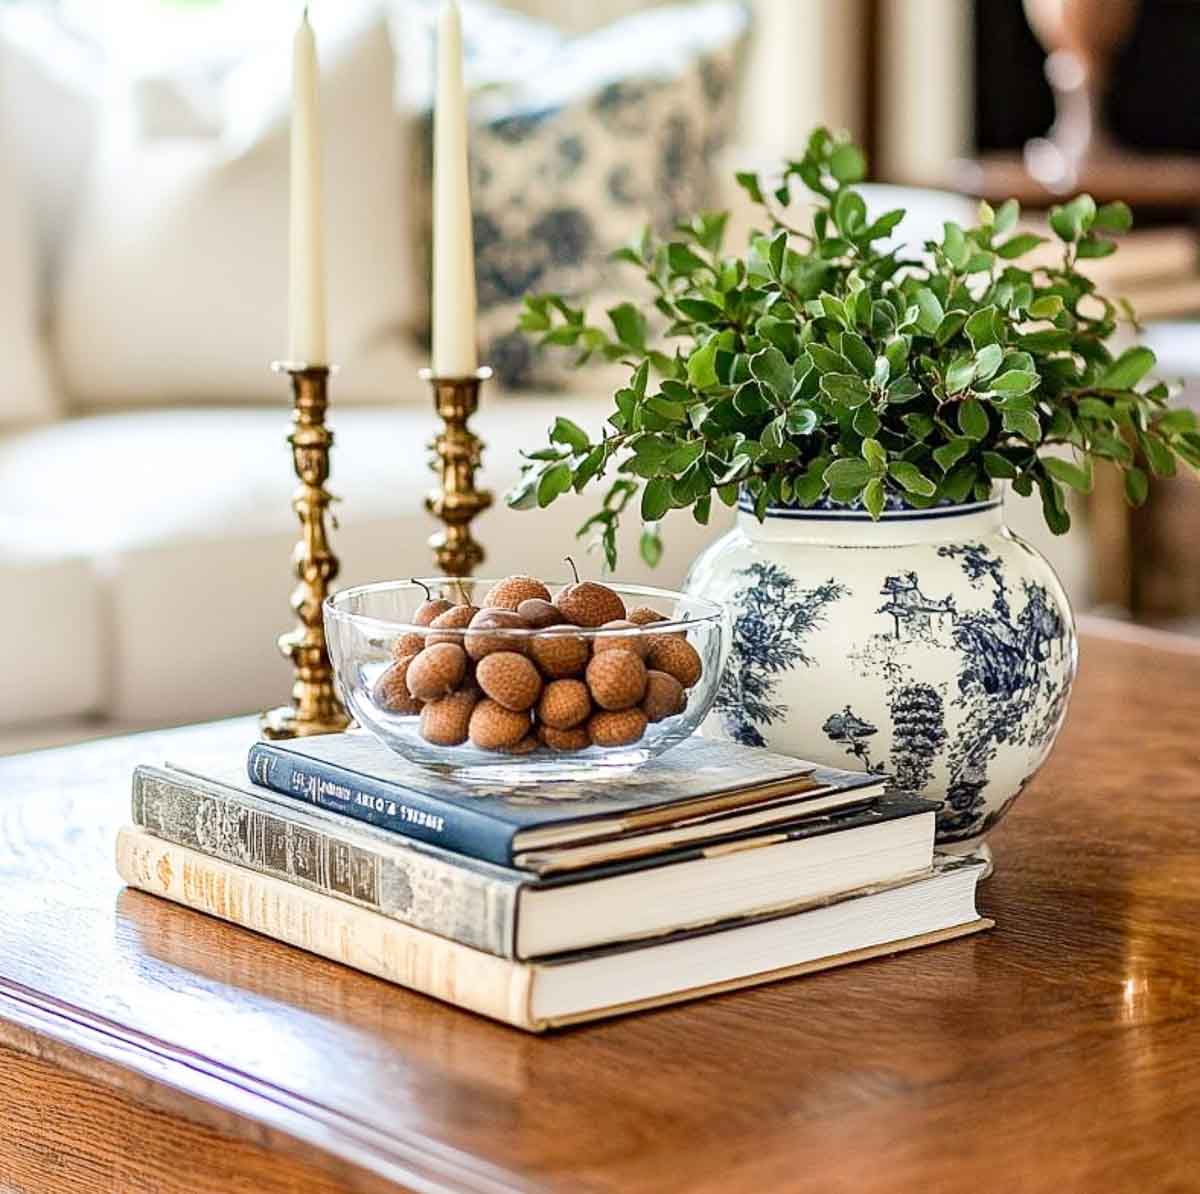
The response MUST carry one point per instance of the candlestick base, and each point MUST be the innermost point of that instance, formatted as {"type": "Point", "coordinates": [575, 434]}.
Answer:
{"type": "Point", "coordinates": [315, 708]}
{"type": "Point", "coordinates": [455, 455]}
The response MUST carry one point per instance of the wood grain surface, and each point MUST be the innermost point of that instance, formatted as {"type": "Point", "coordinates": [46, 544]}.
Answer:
{"type": "Point", "coordinates": [1057, 1053]}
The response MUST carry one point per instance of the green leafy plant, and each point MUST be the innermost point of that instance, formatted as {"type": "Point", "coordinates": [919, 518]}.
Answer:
{"type": "Point", "coordinates": [822, 365]}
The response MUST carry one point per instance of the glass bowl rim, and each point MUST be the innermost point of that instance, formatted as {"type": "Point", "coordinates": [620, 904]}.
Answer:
{"type": "Point", "coordinates": [714, 615]}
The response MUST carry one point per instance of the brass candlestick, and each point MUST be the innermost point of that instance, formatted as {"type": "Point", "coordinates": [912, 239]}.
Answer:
{"type": "Point", "coordinates": [455, 457]}
{"type": "Point", "coordinates": [315, 708]}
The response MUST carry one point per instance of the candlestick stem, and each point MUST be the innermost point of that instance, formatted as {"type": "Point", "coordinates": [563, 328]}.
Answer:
{"type": "Point", "coordinates": [315, 708]}
{"type": "Point", "coordinates": [455, 455]}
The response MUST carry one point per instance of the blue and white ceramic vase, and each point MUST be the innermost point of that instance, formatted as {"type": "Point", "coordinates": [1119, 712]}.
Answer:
{"type": "Point", "coordinates": [931, 645]}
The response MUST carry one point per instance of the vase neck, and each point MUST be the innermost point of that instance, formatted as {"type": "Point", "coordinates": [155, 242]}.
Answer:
{"type": "Point", "coordinates": [856, 528]}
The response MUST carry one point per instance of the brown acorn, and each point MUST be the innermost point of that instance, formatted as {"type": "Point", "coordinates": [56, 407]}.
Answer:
{"type": "Point", "coordinates": [509, 679]}
{"type": "Point", "coordinates": [493, 727]}
{"type": "Point", "coordinates": [616, 728]}
{"type": "Point", "coordinates": [559, 653]}
{"type": "Point", "coordinates": [564, 704]}
{"type": "Point", "coordinates": [479, 643]}
{"type": "Point", "coordinates": [572, 739]}
{"type": "Point", "coordinates": [457, 617]}
{"type": "Point", "coordinates": [677, 657]}
{"type": "Point", "coordinates": [431, 607]}
{"type": "Point", "coordinates": [445, 722]}
{"type": "Point", "coordinates": [588, 603]}
{"type": "Point", "coordinates": [391, 689]}
{"type": "Point", "coordinates": [436, 671]}
{"type": "Point", "coordinates": [512, 590]}
{"type": "Point", "coordinates": [538, 614]}
{"type": "Point", "coordinates": [664, 696]}
{"type": "Point", "coordinates": [637, 642]}
{"type": "Point", "coordinates": [617, 679]}
{"type": "Point", "coordinates": [408, 644]}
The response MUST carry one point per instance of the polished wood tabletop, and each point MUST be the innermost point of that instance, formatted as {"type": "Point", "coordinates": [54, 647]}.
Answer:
{"type": "Point", "coordinates": [145, 1047]}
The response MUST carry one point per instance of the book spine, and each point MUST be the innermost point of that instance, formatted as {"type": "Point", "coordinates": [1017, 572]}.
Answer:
{"type": "Point", "coordinates": [435, 894]}
{"type": "Point", "coordinates": [402, 810]}
{"type": "Point", "coordinates": [341, 932]}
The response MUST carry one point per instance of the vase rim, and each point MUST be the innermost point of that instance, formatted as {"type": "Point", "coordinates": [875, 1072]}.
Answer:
{"type": "Point", "coordinates": [826, 511]}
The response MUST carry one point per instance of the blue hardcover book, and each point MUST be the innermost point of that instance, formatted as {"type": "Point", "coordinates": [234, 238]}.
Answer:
{"type": "Point", "coordinates": [700, 791]}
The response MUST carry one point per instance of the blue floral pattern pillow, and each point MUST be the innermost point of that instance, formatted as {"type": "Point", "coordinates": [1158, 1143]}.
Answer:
{"type": "Point", "coordinates": [598, 135]}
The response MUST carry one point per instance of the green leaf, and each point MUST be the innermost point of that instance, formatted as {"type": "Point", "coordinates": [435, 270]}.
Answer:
{"type": "Point", "coordinates": [855, 350]}
{"type": "Point", "coordinates": [1176, 421]}
{"type": "Point", "coordinates": [845, 388]}
{"type": "Point", "coordinates": [910, 478]}
{"type": "Point", "coordinates": [748, 181]}
{"type": "Point", "coordinates": [848, 474]}
{"type": "Point", "coordinates": [554, 483]}
{"type": "Point", "coordinates": [771, 368]}
{"type": "Point", "coordinates": [1114, 217]}
{"type": "Point", "coordinates": [981, 327]}
{"type": "Point", "coordinates": [1015, 381]}
{"type": "Point", "coordinates": [903, 389]}
{"type": "Point", "coordinates": [873, 497]}
{"type": "Point", "coordinates": [1017, 246]}
{"type": "Point", "coordinates": [954, 244]}
{"type": "Point", "coordinates": [1069, 473]}
{"type": "Point", "coordinates": [849, 212]}
{"type": "Point", "coordinates": [1053, 506]}
{"type": "Point", "coordinates": [960, 374]}
{"type": "Point", "coordinates": [656, 499]}
{"type": "Point", "coordinates": [1094, 246]}
{"type": "Point", "coordinates": [701, 365]}
{"type": "Point", "coordinates": [672, 412]}
{"type": "Point", "coordinates": [825, 360]}
{"type": "Point", "coordinates": [985, 214]}
{"type": "Point", "coordinates": [987, 361]}
{"type": "Point", "coordinates": [571, 434]}
{"type": "Point", "coordinates": [1137, 486]}
{"type": "Point", "coordinates": [801, 420]}
{"type": "Point", "coordinates": [629, 324]}
{"type": "Point", "coordinates": [896, 351]}
{"type": "Point", "coordinates": [1046, 307]}
{"type": "Point", "coordinates": [699, 310]}
{"type": "Point", "coordinates": [931, 310]}
{"type": "Point", "coordinates": [950, 325]}
{"type": "Point", "coordinates": [951, 452]}
{"type": "Point", "coordinates": [1024, 424]}
{"type": "Point", "coordinates": [998, 467]}
{"type": "Point", "coordinates": [650, 546]}
{"type": "Point", "coordinates": [1007, 215]}
{"type": "Point", "coordinates": [682, 260]}
{"type": "Point", "coordinates": [972, 419]}
{"type": "Point", "coordinates": [874, 454]}
{"type": "Point", "coordinates": [1065, 223]}
{"type": "Point", "coordinates": [847, 164]}
{"type": "Point", "coordinates": [1128, 369]}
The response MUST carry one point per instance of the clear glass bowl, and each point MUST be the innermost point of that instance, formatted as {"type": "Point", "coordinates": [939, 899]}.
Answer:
{"type": "Point", "coordinates": [369, 626]}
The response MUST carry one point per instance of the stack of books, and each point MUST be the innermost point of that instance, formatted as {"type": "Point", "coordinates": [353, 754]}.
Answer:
{"type": "Point", "coordinates": [713, 867]}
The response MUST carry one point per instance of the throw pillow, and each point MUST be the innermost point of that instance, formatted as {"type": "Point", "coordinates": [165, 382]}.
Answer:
{"type": "Point", "coordinates": [576, 143]}
{"type": "Point", "coordinates": [175, 285]}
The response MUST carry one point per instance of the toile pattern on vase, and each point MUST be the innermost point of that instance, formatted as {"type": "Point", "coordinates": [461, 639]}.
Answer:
{"type": "Point", "coordinates": [933, 645]}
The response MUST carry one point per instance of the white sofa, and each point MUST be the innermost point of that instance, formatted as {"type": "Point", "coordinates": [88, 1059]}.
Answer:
{"type": "Point", "coordinates": [145, 553]}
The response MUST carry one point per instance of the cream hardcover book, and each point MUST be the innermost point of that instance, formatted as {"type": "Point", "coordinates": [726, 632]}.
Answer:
{"type": "Point", "coordinates": [572, 987]}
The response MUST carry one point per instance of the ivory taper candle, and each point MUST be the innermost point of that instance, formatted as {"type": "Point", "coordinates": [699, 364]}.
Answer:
{"type": "Point", "coordinates": [454, 352]}
{"type": "Point", "coordinates": [307, 232]}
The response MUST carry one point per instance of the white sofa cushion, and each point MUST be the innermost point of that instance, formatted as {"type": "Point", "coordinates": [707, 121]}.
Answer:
{"type": "Point", "coordinates": [175, 285]}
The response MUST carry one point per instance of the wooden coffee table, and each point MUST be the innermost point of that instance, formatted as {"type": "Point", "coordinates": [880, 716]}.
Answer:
{"type": "Point", "coordinates": [144, 1047]}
